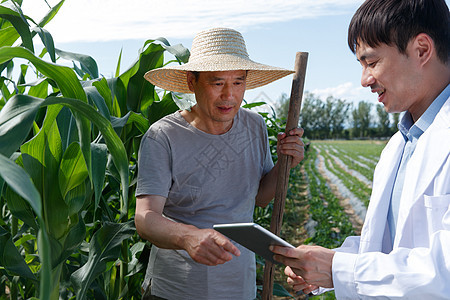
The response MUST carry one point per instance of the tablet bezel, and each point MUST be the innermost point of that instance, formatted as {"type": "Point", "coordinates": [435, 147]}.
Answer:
{"type": "Point", "coordinates": [253, 237]}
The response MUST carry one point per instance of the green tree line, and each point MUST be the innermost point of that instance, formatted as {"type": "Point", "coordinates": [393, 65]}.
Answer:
{"type": "Point", "coordinates": [338, 119]}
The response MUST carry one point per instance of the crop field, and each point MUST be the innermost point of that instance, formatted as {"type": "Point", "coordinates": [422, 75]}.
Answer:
{"type": "Point", "coordinates": [328, 195]}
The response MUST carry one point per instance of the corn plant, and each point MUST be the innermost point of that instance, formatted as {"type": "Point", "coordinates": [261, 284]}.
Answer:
{"type": "Point", "coordinates": [68, 146]}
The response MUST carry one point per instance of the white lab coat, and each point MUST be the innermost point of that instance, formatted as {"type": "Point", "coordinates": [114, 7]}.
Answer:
{"type": "Point", "coordinates": [417, 266]}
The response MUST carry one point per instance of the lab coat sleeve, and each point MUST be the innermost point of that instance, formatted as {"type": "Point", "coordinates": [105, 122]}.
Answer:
{"type": "Point", "coordinates": [418, 273]}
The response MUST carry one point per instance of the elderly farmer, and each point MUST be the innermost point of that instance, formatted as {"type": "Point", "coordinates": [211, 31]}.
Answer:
{"type": "Point", "coordinates": [210, 164]}
{"type": "Point", "coordinates": [404, 249]}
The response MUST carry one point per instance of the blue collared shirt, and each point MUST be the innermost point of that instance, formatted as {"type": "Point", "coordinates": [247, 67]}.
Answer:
{"type": "Point", "coordinates": [411, 133]}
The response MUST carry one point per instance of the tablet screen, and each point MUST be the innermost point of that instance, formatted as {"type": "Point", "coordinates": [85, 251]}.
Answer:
{"type": "Point", "coordinates": [253, 237]}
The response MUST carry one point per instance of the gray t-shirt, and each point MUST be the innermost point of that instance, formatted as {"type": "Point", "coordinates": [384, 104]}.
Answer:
{"type": "Point", "coordinates": [207, 179]}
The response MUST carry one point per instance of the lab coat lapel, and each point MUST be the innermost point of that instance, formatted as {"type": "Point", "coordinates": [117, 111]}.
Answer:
{"type": "Point", "coordinates": [374, 227]}
{"type": "Point", "coordinates": [426, 161]}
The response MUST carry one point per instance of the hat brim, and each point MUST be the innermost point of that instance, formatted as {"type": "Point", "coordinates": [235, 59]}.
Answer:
{"type": "Point", "coordinates": [173, 78]}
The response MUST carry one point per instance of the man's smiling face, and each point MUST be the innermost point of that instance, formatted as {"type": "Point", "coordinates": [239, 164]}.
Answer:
{"type": "Point", "coordinates": [390, 74]}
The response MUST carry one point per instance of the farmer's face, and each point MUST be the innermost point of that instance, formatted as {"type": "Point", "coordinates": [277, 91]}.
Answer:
{"type": "Point", "coordinates": [219, 96]}
{"type": "Point", "coordinates": [390, 74]}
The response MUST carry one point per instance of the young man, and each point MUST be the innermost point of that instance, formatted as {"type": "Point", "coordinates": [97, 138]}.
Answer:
{"type": "Point", "coordinates": [210, 164]}
{"type": "Point", "coordinates": [404, 249]}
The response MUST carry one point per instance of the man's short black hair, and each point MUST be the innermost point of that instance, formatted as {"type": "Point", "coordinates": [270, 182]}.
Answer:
{"type": "Point", "coordinates": [196, 74]}
{"type": "Point", "coordinates": [396, 22]}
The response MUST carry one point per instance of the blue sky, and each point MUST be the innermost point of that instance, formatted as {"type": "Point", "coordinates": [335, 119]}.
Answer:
{"type": "Point", "coordinates": [274, 30]}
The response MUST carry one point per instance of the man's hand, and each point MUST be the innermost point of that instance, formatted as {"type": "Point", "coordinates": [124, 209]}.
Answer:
{"type": "Point", "coordinates": [291, 145]}
{"type": "Point", "coordinates": [209, 247]}
{"type": "Point", "coordinates": [298, 283]}
{"type": "Point", "coordinates": [205, 246]}
{"type": "Point", "coordinates": [311, 263]}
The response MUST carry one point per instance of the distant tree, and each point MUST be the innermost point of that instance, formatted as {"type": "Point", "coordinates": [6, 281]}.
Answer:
{"type": "Point", "coordinates": [282, 107]}
{"type": "Point", "coordinates": [322, 120]}
{"type": "Point", "coordinates": [311, 115]}
{"type": "Point", "coordinates": [339, 115]}
{"type": "Point", "coordinates": [361, 119]}
{"type": "Point", "coordinates": [324, 114]}
{"type": "Point", "coordinates": [396, 119]}
{"type": "Point", "coordinates": [384, 124]}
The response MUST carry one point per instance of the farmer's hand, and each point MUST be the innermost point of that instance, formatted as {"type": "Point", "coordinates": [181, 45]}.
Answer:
{"type": "Point", "coordinates": [209, 247]}
{"type": "Point", "coordinates": [312, 263]}
{"type": "Point", "coordinates": [291, 145]}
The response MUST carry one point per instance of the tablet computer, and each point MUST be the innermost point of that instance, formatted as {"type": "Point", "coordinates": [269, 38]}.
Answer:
{"type": "Point", "coordinates": [253, 237]}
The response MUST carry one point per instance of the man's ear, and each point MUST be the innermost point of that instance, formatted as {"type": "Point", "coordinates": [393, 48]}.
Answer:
{"type": "Point", "coordinates": [190, 80]}
{"type": "Point", "coordinates": [423, 48]}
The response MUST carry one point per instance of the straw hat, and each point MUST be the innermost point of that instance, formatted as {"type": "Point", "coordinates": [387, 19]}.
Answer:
{"type": "Point", "coordinates": [217, 49]}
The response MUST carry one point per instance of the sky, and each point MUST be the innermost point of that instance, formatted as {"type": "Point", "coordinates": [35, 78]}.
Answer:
{"type": "Point", "coordinates": [274, 30]}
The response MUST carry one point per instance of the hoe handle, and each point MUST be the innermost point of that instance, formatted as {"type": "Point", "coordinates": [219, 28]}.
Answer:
{"type": "Point", "coordinates": [284, 162]}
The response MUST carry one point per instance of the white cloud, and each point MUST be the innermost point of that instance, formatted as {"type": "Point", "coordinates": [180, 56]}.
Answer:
{"type": "Point", "coordinates": [346, 91]}
{"type": "Point", "coordinates": [103, 20]}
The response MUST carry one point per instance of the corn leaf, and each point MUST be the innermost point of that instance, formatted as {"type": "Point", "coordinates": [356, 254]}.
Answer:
{"type": "Point", "coordinates": [11, 259]}
{"type": "Point", "coordinates": [51, 13]}
{"type": "Point", "coordinates": [179, 51]}
{"type": "Point", "coordinates": [38, 88]}
{"type": "Point", "coordinates": [104, 247]}
{"type": "Point", "coordinates": [16, 121]}
{"type": "Point", "coordinates": [103, 99]}
{"type": "Point", "coordinates": [72, 170]}
{"type": "Point", "coordinates": [67, 127]}
{"type": "Point", "coordinates": [20, 182]}
{"type": "Point", "coordinates": [72, 241]}
{"type": "Point", "coordinates": [19, 24]}
{"type": "Point", "coordinates": [47, 40]}
{"type": "Point", "coordinates": [141, 92]}
{"type": "Point", "coordinates": [41, 159]}
{"type": "Point", "coordinates": [20, 208]}
{"type": "Point", "coordinates": [133, 124]}
{"type": "Point", "coordinates": [87, 63]}
{"type": "Point", "coordinates": [99, 160]}
{"type": "Point", "coordinates": [66, 79]}
{"type": "Point", "coordinates": [115, 145]}
{"type": "Point", "coordinates": [279, 290]}
{"type": "Point", "coordinates": [8, 36]}
{"type": "Point", "coordinates": [161, 108]}
{"type": "Point", "coordinates": [119, 60]}
{"type": "Point", "coordinates": [67, 82]}
{"type": "Point", "coordinates": [76, 197]}
{"type": "Point", "coordinates": [119, 95]}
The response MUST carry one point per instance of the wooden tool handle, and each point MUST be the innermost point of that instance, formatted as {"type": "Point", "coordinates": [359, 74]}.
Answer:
{"type": "Point", "coordinates": [284, 162]}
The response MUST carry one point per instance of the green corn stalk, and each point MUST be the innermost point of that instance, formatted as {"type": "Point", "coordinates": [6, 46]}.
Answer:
{"type": "Point", "coordinates": [72, 144]}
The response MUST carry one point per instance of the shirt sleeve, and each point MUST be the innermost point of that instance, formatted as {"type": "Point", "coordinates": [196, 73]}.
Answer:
{"type": "Point", "coordinates": [154, 166]}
